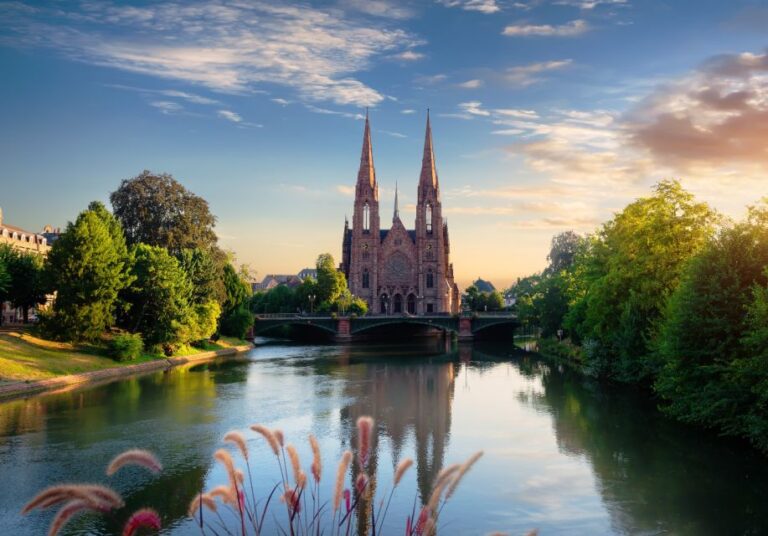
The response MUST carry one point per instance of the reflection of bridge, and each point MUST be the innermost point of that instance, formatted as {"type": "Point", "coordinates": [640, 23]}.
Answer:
{"type": "Point", "coordinates": [346, 327]}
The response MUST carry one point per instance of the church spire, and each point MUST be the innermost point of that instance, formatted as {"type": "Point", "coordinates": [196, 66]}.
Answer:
{"type": "Point", "coordinates": [367, 172]}
{"type": "Point", "coordinates": [428, 172]}
{"type": "Point", "coordinates": [397, 210]}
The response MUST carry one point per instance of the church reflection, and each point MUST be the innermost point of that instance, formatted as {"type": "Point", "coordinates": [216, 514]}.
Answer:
{"type": "Point", "coordinates": [410, 403]}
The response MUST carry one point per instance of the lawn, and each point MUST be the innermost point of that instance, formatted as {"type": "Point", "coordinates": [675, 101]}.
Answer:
{"type": "Point", "coordinates": [26, 357]}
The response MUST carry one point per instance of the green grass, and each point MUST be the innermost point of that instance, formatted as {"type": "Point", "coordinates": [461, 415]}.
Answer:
{"type": "Point", "coordinates": [25, 357]}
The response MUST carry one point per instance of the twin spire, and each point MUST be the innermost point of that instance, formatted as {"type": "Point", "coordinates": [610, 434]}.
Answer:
{"type": "Point", "coordinates": [367, 173]}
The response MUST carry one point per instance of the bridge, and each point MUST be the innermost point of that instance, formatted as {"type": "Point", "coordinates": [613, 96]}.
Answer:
{"type": "Point", "coordinates": [344, 328]}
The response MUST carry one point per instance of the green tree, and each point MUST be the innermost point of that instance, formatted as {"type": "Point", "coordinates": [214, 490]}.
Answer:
{"type": "Point", "coordinates": [330, 281]}
{"type": "Point", "coordinates": [160, 297]}
{"type": "Point", "coordinates": [87, 268]}
{"type": "Point", "coordinates": [236, 317]}
{"type": "Point", "coordinates": [636, 262]}
{"type": "Point", "coordinates": [157, 210]}
{"type": "Point", "coordinates": [562, 251]}
{"type": "Point", "coordinates": [26, 289]}
{"type": "Point", "coordinates": [5, 282]}
{"type": "Point", "coordinates": [205, 274]}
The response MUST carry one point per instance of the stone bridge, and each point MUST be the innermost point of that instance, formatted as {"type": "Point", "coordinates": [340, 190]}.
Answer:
{"type": "Point", "coordinates": [346, 327]}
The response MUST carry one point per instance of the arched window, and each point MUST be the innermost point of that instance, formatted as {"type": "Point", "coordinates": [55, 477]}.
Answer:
{"type": "Point", "coordinates": [430, 279]}
{"type": "Point", "coordinates": [366, 279]}
{"type": "Point", "coordinates": [366, 217]}
{"type": "Point", "coordinates": [428, 217]}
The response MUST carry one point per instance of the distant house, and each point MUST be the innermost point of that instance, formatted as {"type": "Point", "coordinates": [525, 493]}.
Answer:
{"type": "Point", "coordinates": [509, 298]}
{"type": "Point", "coordinates": [273, 280]}
{"type": "Point", "coordinates": [483, 286]}
{"type": "Point", "coordinates": [308, 273]}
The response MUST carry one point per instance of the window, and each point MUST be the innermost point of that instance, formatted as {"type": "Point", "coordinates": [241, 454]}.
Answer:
{"type": "Point", "coordinates": [428, 217]}
{"type": "Point", "coordinates": [366, 217]}
{"type": "Point", "coordinates": [430, 308]}
{"type": "Point", "coordinates": [430, 279]}
{"type": "Point", "coordinates": [366, 279]}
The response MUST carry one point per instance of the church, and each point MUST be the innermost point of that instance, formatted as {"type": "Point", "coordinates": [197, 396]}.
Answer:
{"type": "Point", "coordinates": [399, 270]}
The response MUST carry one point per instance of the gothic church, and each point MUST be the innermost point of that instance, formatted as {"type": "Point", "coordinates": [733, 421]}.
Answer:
{"type": "Point", "coordinates": [399, 270]}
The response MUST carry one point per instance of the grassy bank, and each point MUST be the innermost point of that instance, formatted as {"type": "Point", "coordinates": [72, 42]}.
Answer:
{"type": "Point", "coordinates": [25, 357]}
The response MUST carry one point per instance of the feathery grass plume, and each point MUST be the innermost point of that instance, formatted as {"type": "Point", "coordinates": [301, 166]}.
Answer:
{"type": "Point", "coordinates": [402, 467]}
{"type": "Point", "coordinates": [60, 493]}
{"type": "Point", "coordinates": [317, 464]}
{"type": "Point", "coordinates": [269, 436]}
{"type": "Point", "coordinates": [279, 436]}
{"type": "Point", "coordinates": [144, 518]}
{"type": "Point", "coordinates": [445, 474]}
{"type": "Point", "coordinates": [364, 430]}
{"type": "Point", "coordinates": [240, 476]}
{"type": "Point", "coordinates": [237, 439]}
{"type": "Point", "coordinates": [429, 526]}
{"type": "Point", "coordinates": [434, 499]}
{"type": "Point", "coordinates": [227, 494]}
{"type": "Point", "coordinates": [226, 460]}
{"type": "Point", "coordinates": [201, 500]}
{"type": "Point", "coordinates": [346, 458]}
{"type": "Point", "coordinates": [301, 480]}
{"type": "Point", "coordinates": [139, 457]}
{"type": "Point", "coordinates": [291, 498]}
{"type": "Point", "coordinates": [293, 455]}
{"type": "Point", "coordinates": [466, 466]}
{"type": "Point", "coordinates": [67, 512]}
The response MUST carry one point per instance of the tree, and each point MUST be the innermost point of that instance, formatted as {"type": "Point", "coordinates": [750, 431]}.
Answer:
{"type": "Point", "coordinates": [5, 280]}
{"type": "Point", "coordinates": [236, 317]}
{"type": "Point", "coordinates": [87, 267]}
{"type": "Point", "coordinates": [204, 273]}
{"type": "Point", "coordinates": [26, 289]}
{"type": "Point", "coordinates": [157, 210]}
{"type": "Point", "coordinates": [330, 281]}
{"type": "Point", "coordinates": [563, 251]}
{"type": "Point", "coordinates": [160, 298]}
{"type": "Point", "coordinates": [634, 265]}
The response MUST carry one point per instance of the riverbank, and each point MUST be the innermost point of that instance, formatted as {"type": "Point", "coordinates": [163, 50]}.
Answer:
{"type": "Point", "coordinates": [29, 364]}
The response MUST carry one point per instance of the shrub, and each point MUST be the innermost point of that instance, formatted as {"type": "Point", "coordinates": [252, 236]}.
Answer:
{"type": "Point", "coordinates": [126, 346]}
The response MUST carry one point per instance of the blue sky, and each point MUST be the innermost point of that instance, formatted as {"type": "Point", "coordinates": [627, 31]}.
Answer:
{"type": "Point", "coordinates": [548, 115]}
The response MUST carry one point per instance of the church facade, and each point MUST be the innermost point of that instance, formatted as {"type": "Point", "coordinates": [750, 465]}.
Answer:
{"type": "Point", "coordinates": [399, 270]}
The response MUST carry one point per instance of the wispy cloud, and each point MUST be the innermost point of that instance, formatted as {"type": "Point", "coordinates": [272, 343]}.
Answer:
{"type": "Point", "coordinates": [569, 29]}
{"type": "Point", "coordinates": [230, 116]}
{"type": "Point", "coordinates": [408, 111]}
{"type": "Point", "coordinates": [281, 102]}
{"type": "Point", "coordinates": [526, 75]}
{"type": "Point", "coordinates": [429, 80]}
{"type": "Point", "coordinates": [228, 46]}
{"type": "Point", "coordinates": [588, 5]}
{"type": "Point", "coordinates": [471, 84]}
{"type": "Point", "coordinates": [408, 55]}
{"type": "Point", "coordinates": [326, 111]}
{"type": "Point", "coordinates": [380, 8]}
{"type": "Point", "coordinates": [483, 6]}
{"type": "Point", "coordinates": [393, 134]}
{"type": "Point", "coordinates": [474, 108]}
{"type": "Point", "coordinates": [345, 190]}
{"type": "Point", "coordinates": [167, 107]}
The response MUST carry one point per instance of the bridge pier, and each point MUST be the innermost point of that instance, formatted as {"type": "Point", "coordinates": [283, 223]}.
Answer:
{"type": "Point", "coordinates": [465, 328]}
{"type": "Point", "coordinates": [343, 330]}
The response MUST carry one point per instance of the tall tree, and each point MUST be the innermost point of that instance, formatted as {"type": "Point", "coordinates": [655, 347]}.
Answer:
{"type": "Point", "coordinates": [205, 274]}
{"type": "Point", "coordinates": [87, 269]}
{"type": "Point", "coordinates": [330, 281]}
{"type": "Point", "coordinates": [5, 281]}
{"type": "Point", "coordinates": [563, 251]}
{"type": "Point", "coordinates": [157, 210]}
{"type": "Point", "coordinates": [26, 288]}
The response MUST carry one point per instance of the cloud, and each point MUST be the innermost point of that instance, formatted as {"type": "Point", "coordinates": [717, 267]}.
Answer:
{"type": "Point", "coordinates": [230, 116]}
{"type": "Point", "coordinates": [716, 116]}
{"type": "Point", "coordinates": [471, 84]}
{"type": "Point", "coordinates": [282, 102]}
{"type": "Point", "coordinates": [393, 134]}
{"type": "Point", "coordinates": [526, 75]}
{"type": "Point", "coordinates": [429, 80]}
{"type": "Point", "coordinates": [379, 8]}
{"type": "Point", "coordinates": [343, 189]}
{"type": "Point", "coordinates": [408, 111]}
{"type": "Point", "coordinates": [326, 111]}
{"type": "Point", "coordinates": [514, 112]}
{"type": "Point", "coordinates": [167, 107]}
{"type": "Point", "coordinates": [483, 6]}
{"type": "Point", "coordinates": [569, 29]}
{"type": "Point", "coordinates": [408, 55]}
{"type": "Point", "coordinates": [592, 4]}
{"type": "Point", "coordinates": [228, 47]}
{"type": "Point", "coordinates": [474, 108]}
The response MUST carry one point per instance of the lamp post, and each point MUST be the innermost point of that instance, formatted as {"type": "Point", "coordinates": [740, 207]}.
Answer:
{"type": "Point", "coordinates": [312, 303]}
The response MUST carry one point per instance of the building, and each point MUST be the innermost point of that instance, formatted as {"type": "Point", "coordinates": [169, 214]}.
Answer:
{"type": "Point", "coordinates": [308, 273]}
{"type": "Point", "coordinates": [271, 281]}
{"type": "Point", "coordinates": [399, 270]}
{"type": "Point", "coordinates": [483, 286]}
{"type": "Point", "coordinates": [22, 240]}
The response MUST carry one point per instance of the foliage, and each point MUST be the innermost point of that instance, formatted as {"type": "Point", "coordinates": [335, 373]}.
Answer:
{"type": "Point", "coordinates": [200, 322]}
{"type": "Point", "coordinates": [476, 300]}
{"type": "Point", "coordinates": [5, 279]}
{"type": "Point", "coordinates": [87, 266]}
{"type": "Point", "coordinates": [714, 339]}
{"type": "Point", "coordinates": [237, 322]}
{"type": "Point", "coordinates": [330, 281]}
{"type": "Point", "coordinates": [630, 270]}
{"type": "Point", "coordinates": [562, 251]}
{"type": "Point", "coordinates": [205, 273]}
{"type": "Point", "coordinates": [236, 289]}
{"type": "Point", "coordinates": [26, 289]}
{"type": "Point", "coordinates": [157, 210]}
{"type": "Point", "coordinates": [126, 346]}
{"type": "Point", "coordinates": [159, 297]}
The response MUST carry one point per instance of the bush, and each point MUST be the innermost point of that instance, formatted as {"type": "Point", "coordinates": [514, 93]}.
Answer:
{"type": "Point", "coordinates": [126, 346]}
{"type": "Point", "coordinates": [237, 323]}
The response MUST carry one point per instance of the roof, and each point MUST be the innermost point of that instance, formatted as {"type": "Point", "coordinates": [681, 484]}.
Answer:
{"type": "Point", "coordinates": [484, 286]}
{"type": "Point", "coordinates": [411, 233]}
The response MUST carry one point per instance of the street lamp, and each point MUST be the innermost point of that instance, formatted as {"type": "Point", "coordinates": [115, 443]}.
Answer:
{"type": "Point", "coordinates": [312, 303]}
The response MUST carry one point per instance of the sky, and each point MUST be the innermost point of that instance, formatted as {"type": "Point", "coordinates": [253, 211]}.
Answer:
{"type": "Point", "coordinates": [547, 115]}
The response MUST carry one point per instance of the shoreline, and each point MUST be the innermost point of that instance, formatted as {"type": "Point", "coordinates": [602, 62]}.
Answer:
{"type": "Point", "coordinates": [23, 388]}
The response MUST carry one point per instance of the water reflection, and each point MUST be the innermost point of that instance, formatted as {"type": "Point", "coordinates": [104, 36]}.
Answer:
{"type": "Point", "coordinates": [562, 453]}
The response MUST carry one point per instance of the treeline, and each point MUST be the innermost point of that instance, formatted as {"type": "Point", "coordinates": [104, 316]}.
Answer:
{"type": "Point", "coordinates": [479, 301]}
{"type": "Point", "coordinates": [669, 295]}
{"type": "Point", "coordinates": [327, 293]}
{"type": "Point", "coordinates": [151, 271]}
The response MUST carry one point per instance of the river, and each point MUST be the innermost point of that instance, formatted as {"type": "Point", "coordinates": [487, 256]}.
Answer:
{"type": "Point", "coordinates": [562, 454]}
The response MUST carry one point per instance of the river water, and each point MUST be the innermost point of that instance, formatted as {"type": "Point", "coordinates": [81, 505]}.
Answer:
{"type": "Point", "coordinates": [562, 454]}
